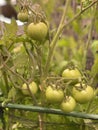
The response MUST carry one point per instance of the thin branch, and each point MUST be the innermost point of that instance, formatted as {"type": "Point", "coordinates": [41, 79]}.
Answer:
{"type": "Point", "coordinates": [13, 72]}
{"type": "Point", "coordinates": [79, 14]}
{"type": "Point", "coordinates": [30, 55]}
{"type": "Point", "coordinates": [25, 81]}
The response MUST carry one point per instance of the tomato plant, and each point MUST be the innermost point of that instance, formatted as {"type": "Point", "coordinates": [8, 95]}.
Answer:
{"type": "Point", "coordinates": [68, 104]}
{"type": "Point", "coordinates": [55, 55]}
{"type": "Point", "coordinates": [37, 31]}
{"type": "Point", "coordinates": [54, 95]}
{"type": "Point", "coordinates": [83, 93]}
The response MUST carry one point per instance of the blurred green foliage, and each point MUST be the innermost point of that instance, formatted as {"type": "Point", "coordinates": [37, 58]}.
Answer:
{"type": "Point", "coordinates": [71, 50]}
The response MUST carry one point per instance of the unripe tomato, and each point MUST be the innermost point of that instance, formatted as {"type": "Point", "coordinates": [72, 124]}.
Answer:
{"type": "Point", "coordinates": [82, 95]}
{"type": "Point", "coordinates": [22, 16]}
{"type": "Point", "coordinates": [71, 73]}
{"type": "Point", "coordinates": [94, 47]}
{"type": "Point", "coordinates": [32, 86]}
{"type": "Point", "coordinates": [37, 31]}
{"type": "Point", "coordinates": [68, 104]}
{"type": "Point", "coordinates": [54, 95]}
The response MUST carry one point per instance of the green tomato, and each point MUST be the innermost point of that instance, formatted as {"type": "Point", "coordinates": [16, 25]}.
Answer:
{"type": "Point", "coordinates": [71, 73]}
{"type": "Point", "coordinates": [82, 94]}
{"type": "Point", "coordinates": [32, 86]}
{"type": "Point", "coordinates": [22, 16]}
{"type": "Point", "coordinates": [68, 104]}
{"type": "Point", "coordinates": [37, 31]}
{"type": "Point", "coordinates": [54, 95]}
{"type": "Point", "coordinates": [94, 47]}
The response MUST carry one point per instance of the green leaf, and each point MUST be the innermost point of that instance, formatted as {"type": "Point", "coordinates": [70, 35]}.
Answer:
{"type": "Point", "coordinates": [9, 33]}
{"type": "Point", "coordinates": [63, 42]}
{"type": "Point", "coordinates": [11, 29]}
{"type": "Point", "coordinates": [12, 93]}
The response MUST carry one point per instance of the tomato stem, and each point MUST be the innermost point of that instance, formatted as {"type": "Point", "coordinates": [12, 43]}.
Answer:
{"type": "Point", "coordinates": [56, 37]}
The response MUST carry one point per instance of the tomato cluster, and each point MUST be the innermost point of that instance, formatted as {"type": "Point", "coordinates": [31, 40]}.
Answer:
{"type": "Point", "coordinates": [81, 92]}
{"type": "Point", "coordinates": [36, 28]}
{"type": "Point", "coordinates": [56, 95]}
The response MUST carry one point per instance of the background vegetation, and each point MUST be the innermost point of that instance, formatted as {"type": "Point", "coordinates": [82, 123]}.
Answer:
{"type": "Point", "coordinates": [71, 42]}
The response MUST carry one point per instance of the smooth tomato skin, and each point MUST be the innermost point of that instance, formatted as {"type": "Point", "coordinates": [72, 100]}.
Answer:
{"type": "Point", "coordinates": [71, 73]}
{"type": "Point", "coordinates": [68, 105]}
{"type": "Point", "coordinates": [22, 16]}
{"type": "Point", "coordinates": [54, 95]}
{"type": "Point", "coordinates": [32, 86]}
{"type": "Point", "coordinates": [37, 31]}
{"type": "Point", "coordinates": [84, 95]}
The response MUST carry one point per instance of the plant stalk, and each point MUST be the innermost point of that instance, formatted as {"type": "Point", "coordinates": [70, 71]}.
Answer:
{"type": "Point", "coordinates": [56, 37]}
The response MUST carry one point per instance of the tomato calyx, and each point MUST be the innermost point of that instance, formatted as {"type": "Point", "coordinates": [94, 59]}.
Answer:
{"type": "Point", "coordinates": [80, 86]}
{"type": "Point", "coordinates": [67, 98]}
{"type": "Point", "coordinates": [55, 87]}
